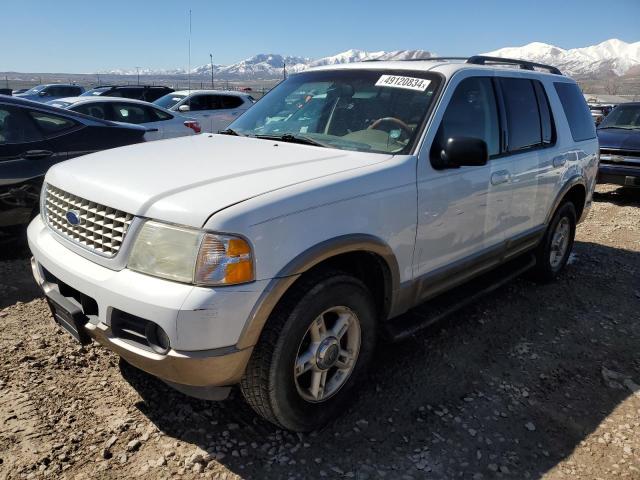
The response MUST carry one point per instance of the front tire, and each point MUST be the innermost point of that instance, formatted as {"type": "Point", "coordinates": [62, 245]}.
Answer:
{"type": "Point", "coordinates": [312, 352]}
{"type": "Point", "coordinates": [554, 249]}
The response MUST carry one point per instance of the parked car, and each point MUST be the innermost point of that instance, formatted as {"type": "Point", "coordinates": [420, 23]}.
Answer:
{"type": "Point", "coordinates": [148, 93]}
{"type": "Point", "coordinates": [35, 136]}
{"type": "Point", "coordinates": [619, 136]}
{"type": "Point", "coordinates": [160, 123]}
{"type": "Point", "coordinates": [45, 93]}
{"type": "Point", "coordinates": [214, 109]}
{"type": "Point", "coordinates": [274, 255]}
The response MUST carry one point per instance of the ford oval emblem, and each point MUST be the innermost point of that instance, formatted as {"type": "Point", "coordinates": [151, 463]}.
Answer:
{"type": "Point", "coordinates": [73, 217]}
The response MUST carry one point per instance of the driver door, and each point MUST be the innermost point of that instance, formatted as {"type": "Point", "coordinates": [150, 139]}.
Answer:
{"type": "Point", "coordinates": [461, 211]}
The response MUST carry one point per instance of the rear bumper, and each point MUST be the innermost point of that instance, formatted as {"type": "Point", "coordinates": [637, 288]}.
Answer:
{"type": "Point", "coordinates": [619, 175]}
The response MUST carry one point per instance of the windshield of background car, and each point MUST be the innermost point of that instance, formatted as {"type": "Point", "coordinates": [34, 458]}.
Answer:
{"type": "Point", "coordinates": [623, 116]}
{"type": "Point", "coordinates": [95, 91]}
{"type": "Point", "coordinates": [364, 110]}
{"type": "Point", "coordinates": [34, 90]}
{"type": "Point", "coordinates": [169, 100]}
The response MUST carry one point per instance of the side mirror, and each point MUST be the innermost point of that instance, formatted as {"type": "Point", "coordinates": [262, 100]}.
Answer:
{"type": "Point", "coordinates": [461, 152]}
{"type": "Point", "coordinates": [184, 108]}
{"type": "Point", "coordinates": [43, 93]}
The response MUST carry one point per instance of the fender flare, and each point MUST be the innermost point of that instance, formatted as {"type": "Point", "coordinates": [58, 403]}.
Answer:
{"type": "Point", "coordinates": [569, 184]}
{"type": "Point", "coordinates": [308, 259]}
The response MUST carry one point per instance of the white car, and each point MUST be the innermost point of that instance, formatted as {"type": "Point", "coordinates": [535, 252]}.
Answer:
{"type": "Point", "coordinates": [160, 122]}
{"type": "Point", "coordinates": [214, 109]}
{"type": "Point", "coordinates": [275, 255]}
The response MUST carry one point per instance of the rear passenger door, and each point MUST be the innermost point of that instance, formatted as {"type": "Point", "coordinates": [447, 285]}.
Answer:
{"type": "Point", "coordinates": [229, 107]}
{"type": "Point", "coordinates": [530, 137]}
{"type": "Point", "coordinates": [461, 211]}
{"type": "Point", "coordinates": [202, 107]}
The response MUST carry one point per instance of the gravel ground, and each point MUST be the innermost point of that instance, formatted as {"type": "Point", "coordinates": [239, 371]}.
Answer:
{"type": "Point", "coordinates": [532, 381]}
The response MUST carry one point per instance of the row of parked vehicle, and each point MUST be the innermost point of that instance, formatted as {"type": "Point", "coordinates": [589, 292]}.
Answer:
{"type": "Point", "coordinates": [51, 123]}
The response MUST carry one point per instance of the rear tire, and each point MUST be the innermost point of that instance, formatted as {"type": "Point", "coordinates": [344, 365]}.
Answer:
{"type": "Point", "coordinates": [312, 352]}
{"type": "Point", "coordinates": [554, 249]}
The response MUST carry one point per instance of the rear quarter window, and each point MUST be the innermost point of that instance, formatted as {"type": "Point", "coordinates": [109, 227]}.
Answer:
{"type": "Point", "coordinates": [576, 110]}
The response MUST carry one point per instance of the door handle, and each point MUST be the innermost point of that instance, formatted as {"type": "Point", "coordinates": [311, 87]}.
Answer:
{"type": "Point", "coordinates": [501, 176]}
{"type": "Point", "coordinates": [559, 161]}
{"type": "Point", "coordinates": [36, 154]}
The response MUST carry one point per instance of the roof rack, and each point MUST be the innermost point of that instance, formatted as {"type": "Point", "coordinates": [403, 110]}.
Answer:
{"type": "Point", "coordinates": [484, 60]}
{"type": "Point", "coordinates": [523, 64]}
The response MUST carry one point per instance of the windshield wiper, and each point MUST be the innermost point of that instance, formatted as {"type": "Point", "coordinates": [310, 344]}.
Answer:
{"type": "Point", "coordinates": [288, 137]}
{"type": "Point", "coordinates": [231, 131]}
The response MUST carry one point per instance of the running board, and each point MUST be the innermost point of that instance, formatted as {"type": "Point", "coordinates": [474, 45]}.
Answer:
{"type": "Point", "coordinates": [449, 302]}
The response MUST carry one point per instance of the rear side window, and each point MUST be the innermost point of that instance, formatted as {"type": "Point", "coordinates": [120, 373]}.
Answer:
{"type": "Point", "coordinates": [546, 117]}
{"type": "Point", "coordinates": [523, 118]}
{"type": "Point", "coordinates": [230, 101]}
{"type": "Point", "coordinates": [204, 102]}
{"type": "Point", "coordinates": [576, 110]}
{"type": "Point", "coordinates": [129, 113]}
{"type": "Point", "coordinates": [97, 110]}
{"type": "Point", "coordinates": [17, 127]}
{"type": "Point", "coordinates": [158, 114]}
{"type": "Point", "coordinates": [52, 125]}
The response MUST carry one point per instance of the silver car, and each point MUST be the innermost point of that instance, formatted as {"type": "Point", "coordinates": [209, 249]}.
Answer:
{"type": "Point", "coordinates": [214, 109]}
{"type": "Point", "coordinates": [160, 122]}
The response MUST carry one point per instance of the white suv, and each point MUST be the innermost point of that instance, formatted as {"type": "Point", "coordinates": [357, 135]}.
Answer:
{"type": "Point", "coordinates": [275, 255]}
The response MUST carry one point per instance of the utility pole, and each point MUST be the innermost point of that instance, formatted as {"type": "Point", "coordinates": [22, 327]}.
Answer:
{"type": "Point", "coordinates": [138, 70]}
{"type": "Point", "coordinates": [284, 70]}
{"type": "Point", "coordinates": [211, 57]}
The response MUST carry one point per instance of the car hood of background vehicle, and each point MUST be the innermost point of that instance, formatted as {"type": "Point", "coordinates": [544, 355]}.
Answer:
{"type": "Point", "coordinates": [619, 139]}
{"type": "Point", "coordinates": [187, 179]}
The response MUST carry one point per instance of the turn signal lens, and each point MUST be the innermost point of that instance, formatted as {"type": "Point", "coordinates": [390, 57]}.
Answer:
{"type": "Point", "coordinates": [224, 260]}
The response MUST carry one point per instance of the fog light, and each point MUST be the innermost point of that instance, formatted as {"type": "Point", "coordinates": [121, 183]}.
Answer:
{"type": "Point", "coordinates": [157, 338]}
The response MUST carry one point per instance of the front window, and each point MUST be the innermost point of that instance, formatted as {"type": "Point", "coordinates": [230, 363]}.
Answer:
{"type": "Point", "coordinates": [35, 90]}
{"type": "Point", "coordinates": [363, 110]}
{"type": "Point", "coordinates": [169, 100]}
{"type": "Point", "coordinates": [626, 117]}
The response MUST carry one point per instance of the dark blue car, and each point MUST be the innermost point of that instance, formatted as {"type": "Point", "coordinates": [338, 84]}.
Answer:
{"type": "Point", "coordinates": [619, 136]}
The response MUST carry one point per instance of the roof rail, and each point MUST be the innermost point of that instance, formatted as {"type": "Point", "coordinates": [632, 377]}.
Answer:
{"type": "Point", "coordinates": [428, 59]}
{"type": "Point", "coordinates": [523, 64]}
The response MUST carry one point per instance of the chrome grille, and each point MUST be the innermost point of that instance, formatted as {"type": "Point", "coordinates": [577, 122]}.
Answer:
{"type": "Point", "coordinates": [100, 229]}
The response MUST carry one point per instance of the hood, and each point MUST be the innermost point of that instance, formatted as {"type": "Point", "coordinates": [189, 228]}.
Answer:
{"type": "Point", "coordinates": [619, 139]}
{"type": "Point", "coordinates": [187, 179]}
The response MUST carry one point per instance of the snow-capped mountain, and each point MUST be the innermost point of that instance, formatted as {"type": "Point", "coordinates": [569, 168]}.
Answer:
{"type": "Point", "coordinates": [607, 58]}
{"type": "Point", "coordinates": [612, 56]}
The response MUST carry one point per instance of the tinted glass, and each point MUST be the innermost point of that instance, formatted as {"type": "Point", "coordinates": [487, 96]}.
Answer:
{"type": "Point", "coordinates": [95, 91]}
{"type": "Point", "coordinates": [52, 124]}
{"type": "Point", "coordinates": [97, 110]}
{"type": "Point", "coordinates": [230, 101]}
{"type": "Point", "coordinates": [471, 112]}
{"type": "Point", "coordinates": [152, 94]}
{"type": "Point", "coordinates": [523, 118]}
{"type": "Point", "coordinates": [129, 113]}
{"type": "Point", "coordinates": [169, 100]}
{"type": "Point", "coordinates": [158, 114]}
{"type": "Point", "coordinates": [576, 110]}
{"type": "Point", "coordinates": [546, 118]}
{"type": "Point", "coordinates": [135, 93]}
{"type": "Point", "coordinates": [17, 127]}
{"type": "Point", "coordinates": [204, 102]}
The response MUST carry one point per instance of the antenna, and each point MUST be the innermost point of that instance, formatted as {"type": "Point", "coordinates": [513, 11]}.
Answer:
{"type": "Point", "coordinates": [189, 67]}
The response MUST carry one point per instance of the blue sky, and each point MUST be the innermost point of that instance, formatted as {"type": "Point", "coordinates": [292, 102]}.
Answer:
{"type": "Point", "coordinates": [84, 36]}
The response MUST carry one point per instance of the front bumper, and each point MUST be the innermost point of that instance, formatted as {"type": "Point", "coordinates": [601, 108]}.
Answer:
{"type": "Point", "coordinates": [203, 324]}
{"type": "Point", "coordinates": [619, 174]}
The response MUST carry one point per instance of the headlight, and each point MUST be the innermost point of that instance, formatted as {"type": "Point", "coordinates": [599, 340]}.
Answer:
{"type": "Point", "coordinates": [191, 256]}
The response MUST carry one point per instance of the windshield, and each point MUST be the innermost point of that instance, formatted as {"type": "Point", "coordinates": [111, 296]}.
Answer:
{"type": "Point", "coordinates": [34, 90]}
{"type": "Point", "coordinates": [169, 100]}
{"type": "Point", "coordinates": [59, 104]}
{"type": "Point", "coordinates": [95, 91]}
{"type": "Point", "coordinates": [623, 116]}
{"type": "Point", "coordinates": [362, 110]}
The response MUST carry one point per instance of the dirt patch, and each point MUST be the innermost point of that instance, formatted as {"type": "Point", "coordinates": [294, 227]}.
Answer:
{"type": "Point", "coordinates": [532, 381]}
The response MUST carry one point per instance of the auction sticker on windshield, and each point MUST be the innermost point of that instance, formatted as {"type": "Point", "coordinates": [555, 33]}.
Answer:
{"type": "Point", "coordinates": [396, 81]}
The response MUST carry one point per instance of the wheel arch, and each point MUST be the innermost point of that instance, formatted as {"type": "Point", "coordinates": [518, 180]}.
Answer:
{"type": "Point", "coordinates": [575, 190]}
{"type": "Point", "coordinates": [364, 256]}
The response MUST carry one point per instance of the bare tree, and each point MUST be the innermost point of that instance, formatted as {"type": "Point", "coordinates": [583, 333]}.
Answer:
{"type": "Point", "coordinates": [613, 85]}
